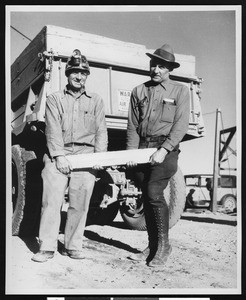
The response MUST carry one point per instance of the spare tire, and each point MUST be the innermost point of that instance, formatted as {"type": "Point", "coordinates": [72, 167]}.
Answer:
{"type": "Point", "coordinates": [175, 195]}
{"type": "Point", "coordinates": [229, 202]}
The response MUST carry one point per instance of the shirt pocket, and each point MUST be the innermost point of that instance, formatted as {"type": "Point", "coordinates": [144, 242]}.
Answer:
{"type": "Point", "coordinates": [89, 122]}
{"type": "Point", "coordinates": [142, 107]}
{"type": "Point", "coordinates": [168, 112]}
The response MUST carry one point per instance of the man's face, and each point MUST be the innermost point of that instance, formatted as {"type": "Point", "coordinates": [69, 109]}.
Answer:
{"type": "Point", "coordinates": [158, 71]}
{"type": "Point", "coordinates": [77, 79]}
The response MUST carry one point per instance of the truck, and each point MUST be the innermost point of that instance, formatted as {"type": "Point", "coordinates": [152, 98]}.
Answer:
{"type": "Point", "coordinates": [116, 68]}
{"type": "Point", "coordinates": [199, 191]}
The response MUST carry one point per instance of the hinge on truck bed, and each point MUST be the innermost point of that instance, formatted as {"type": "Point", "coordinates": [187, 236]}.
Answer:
{"type": "Point", "coordinates": [48, 57]}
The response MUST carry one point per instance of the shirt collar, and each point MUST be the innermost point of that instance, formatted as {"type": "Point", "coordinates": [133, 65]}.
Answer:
{"type": "Point", "coordinates": [165, 83]}
{"type": "Point", "coordinates": [150, 84]}
{"type": "Point", "coordinates": [83, 91]}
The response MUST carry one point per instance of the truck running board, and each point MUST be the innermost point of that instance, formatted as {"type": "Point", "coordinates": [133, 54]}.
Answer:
{"type": "Point", "coordinates": [110, 158]}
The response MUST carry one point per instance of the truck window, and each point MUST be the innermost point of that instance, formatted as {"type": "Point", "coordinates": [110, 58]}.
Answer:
{"type": "Point", "coordinates": [204, 181]}
{"type": "Point", "coordinates": [191, 181]}
{"type": "Point", "coordinates": [228, 181]}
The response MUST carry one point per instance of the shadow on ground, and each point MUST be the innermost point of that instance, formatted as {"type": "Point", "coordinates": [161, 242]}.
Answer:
{"type": "Point", "coordinates": [32, 242]}
{"type": "Point", "coordinates": [93, 236]}
{"type": "Point", "coordinates": [202, 216]}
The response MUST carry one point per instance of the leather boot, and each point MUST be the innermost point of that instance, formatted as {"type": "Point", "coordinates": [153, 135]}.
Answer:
{"type": "Point", "coordinates": [43, 256]}
{"type": "Point", "coordinates": [163, 247]}
{"type": "Point", "coordinates": [148, 253]}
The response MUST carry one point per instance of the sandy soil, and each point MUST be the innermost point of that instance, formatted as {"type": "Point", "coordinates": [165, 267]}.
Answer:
{"type": "Point", "coordinates": [204, 257]}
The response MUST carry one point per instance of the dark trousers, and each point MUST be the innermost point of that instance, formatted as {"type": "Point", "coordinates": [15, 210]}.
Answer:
{"type": "Point", "coordinates": [154, 179]}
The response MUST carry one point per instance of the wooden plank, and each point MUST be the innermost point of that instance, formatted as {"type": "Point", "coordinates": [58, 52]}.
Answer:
{"type": "Point", "coordinates": [110, 158]}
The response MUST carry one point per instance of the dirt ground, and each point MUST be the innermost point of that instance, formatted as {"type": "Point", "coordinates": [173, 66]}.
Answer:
{"type": "Point", "coordinates": [204, 257]}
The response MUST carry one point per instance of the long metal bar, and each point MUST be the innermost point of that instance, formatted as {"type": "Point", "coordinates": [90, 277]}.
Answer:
{"type": "Point", "coordinates": [110, 89]}
{"type": "Point", "coordinates": [192, 102]}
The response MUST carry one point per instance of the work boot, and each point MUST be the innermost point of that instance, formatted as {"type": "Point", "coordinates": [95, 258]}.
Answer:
{"type": "Point", "coordinates": [76, 254]}
{"type": "Point", "coordinates": [43, 256]}
{"type": "Point", "coordinates": [163, 247]}
{"type": "Point", "coordinates": [162, 253]}
{"type": "Point", "coordinates": [148, 253]}
{"type": "Point", "coordinates": [140, 256]}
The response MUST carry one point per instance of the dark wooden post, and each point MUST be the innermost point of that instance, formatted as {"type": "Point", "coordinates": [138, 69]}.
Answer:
{"type": "Point", "coordinates": [216, 162]}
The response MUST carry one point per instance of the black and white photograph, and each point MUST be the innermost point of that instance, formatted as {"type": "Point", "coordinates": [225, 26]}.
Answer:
{"type": "Point", "coordinates": [123, 143]}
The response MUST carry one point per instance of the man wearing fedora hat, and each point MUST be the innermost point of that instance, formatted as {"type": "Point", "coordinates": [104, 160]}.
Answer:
{"type": "Point", "coordinates": [158, 117]}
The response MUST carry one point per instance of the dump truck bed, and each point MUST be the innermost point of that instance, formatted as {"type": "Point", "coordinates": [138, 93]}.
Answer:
{"type": "Point", "coordinates": [116, 68]}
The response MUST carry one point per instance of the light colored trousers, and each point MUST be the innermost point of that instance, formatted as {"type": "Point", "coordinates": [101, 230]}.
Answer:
{"type": "Point", "coordinates": [80, 187]}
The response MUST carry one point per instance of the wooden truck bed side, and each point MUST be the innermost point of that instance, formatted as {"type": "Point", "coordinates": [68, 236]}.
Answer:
{"type": "Point", "coordinates": [27, 67]}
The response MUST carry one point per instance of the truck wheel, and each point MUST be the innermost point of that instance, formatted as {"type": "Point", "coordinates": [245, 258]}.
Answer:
{"type": "Point", "coordinates": [26, 191]}
{"type": "Point", "coordinates": [18, 188]}
{"type": "Point", "coordinates": [133, 218]}
{"type": "Point", "coordinates": [229, 202]}
{"type": "Point", "coordinates": [175, 195]}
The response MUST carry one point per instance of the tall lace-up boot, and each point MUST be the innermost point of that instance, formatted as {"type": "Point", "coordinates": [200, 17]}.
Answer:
{"type": "Point", "coordinates": [148, 253]}
{"type": "Point", "coordinates": [163, 247]}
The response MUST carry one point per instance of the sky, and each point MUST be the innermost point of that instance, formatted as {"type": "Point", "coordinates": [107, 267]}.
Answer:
{"type": "Point", "coordinates": [210, 33]}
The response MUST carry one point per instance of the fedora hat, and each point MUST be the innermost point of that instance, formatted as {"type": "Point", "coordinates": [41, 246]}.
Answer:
{"type": "Point", "coordinates": [165, 53]}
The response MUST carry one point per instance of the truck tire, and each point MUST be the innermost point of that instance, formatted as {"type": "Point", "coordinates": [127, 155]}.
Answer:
{"type": "Point", "coordinates": [229, 203]}
{"type": "Point", "coordinates": [18, 188]}
{"type": "Point", "coordinates": [133, 218]}
{"type": "Point", "coordinates": [26, 191]}
{"type": "Point", "coordinates": [175, 195]}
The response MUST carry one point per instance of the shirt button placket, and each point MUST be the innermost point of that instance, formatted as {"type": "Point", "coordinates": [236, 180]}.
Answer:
{"type": "Point", "coordinates": [74, 121]}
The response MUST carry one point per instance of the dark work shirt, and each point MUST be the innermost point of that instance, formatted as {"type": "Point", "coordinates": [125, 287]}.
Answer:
{"type": "Point", "coordinates": [75, 119]}
{"type": "Point", "coordinates": [158, 109]}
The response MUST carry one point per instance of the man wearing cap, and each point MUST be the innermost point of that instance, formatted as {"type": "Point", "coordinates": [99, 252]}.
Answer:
{"type": "Point", "coordinates": [75, 124]}
{"type": "Point", "coordinates": [158, 118]}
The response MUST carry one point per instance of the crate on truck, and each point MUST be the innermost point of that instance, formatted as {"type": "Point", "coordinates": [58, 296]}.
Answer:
{"type": "Point", "coordinates": [116, 68]}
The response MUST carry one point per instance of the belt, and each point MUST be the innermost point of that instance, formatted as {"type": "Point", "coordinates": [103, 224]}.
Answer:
{"type": "Point", "coordinates": [156, 140]}
{"type": "Point", "coordinates": [77, 144]}
{"type": "Point", "coordinates": [160, 138]}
